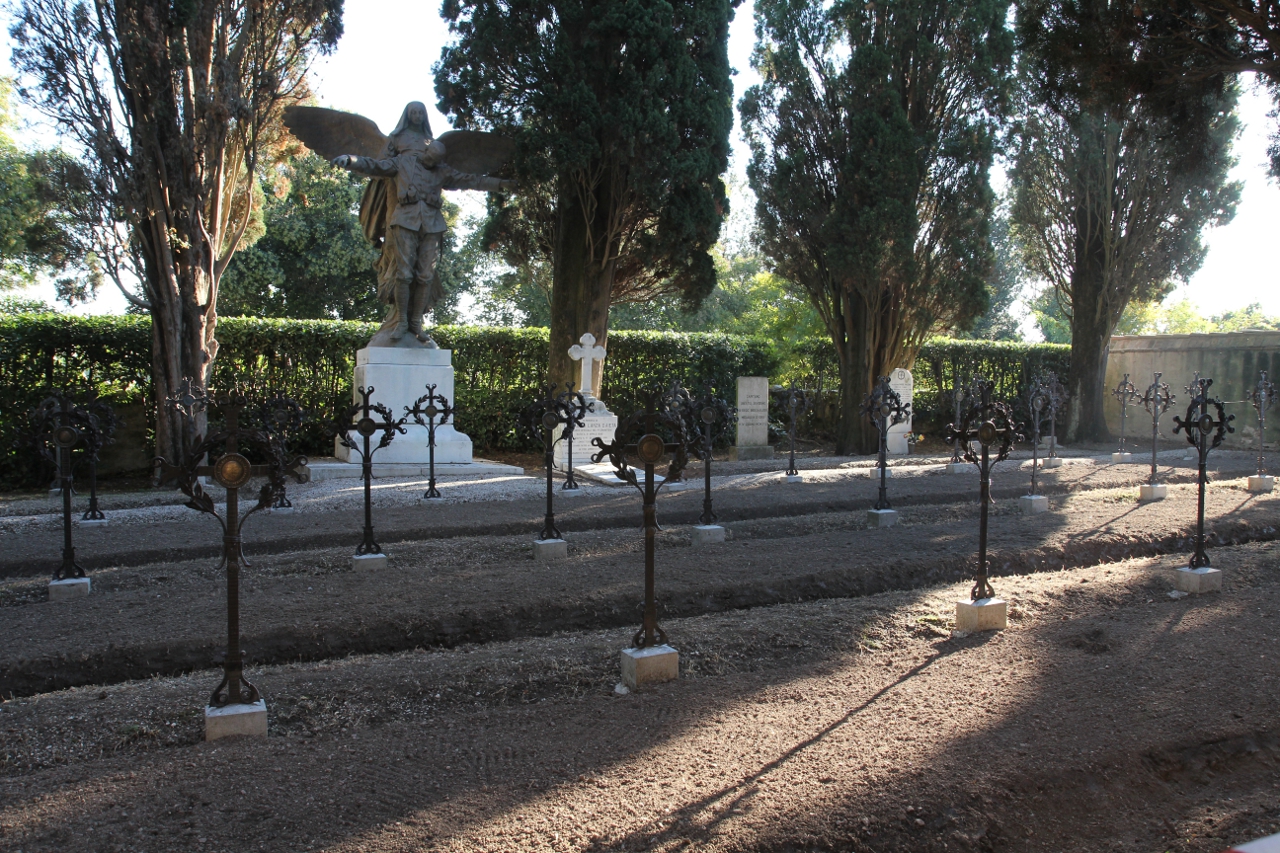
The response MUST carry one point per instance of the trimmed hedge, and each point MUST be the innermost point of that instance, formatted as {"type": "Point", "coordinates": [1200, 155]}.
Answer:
{"type": "Point", "coordinates": [497, 370]}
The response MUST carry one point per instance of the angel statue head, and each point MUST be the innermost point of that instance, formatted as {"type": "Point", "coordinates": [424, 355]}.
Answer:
{"type": "Point", "coordinates": [413, 130]}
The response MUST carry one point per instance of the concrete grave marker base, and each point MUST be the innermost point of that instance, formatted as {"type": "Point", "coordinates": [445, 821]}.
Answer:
{"type": "Point", "coordinates": [369, 561]}
{"type": "Point", "coordinates": [795, 478]}
{"type": "Point", "coordinates": [882, 517]}
{"type": "Point", "coordinates": [571, 493]}
{"type": "Point", "coordinates": [675, 486]}
{"type": "Point", "coordinates": [1117, 458]}
{"type": "Point", "coordinates": [653, 665]}
{"type": "Point", "coordinates": [985, 614]}
{"type": "Point", "coordinates": [242, 719]}
{"type": "Point", "coordinates": [92, 522]}
{"type": "Point", "coordinates": [959, 467]}
{"type": "Point", "coordinates": [546, 550]}
{"type": "Point", "coordinates": [600, 472]}
{"type": "Point", "coordinates": [1051, 462]}
{"type": "Point", "coordinates": [68, 589]}
{"type": "Point", "coordinates": [1147, 492]}
{"type": "Point", "coordinates": [1198, 580]}
{"type": "Point", "coordinates": [1033, 504]}
{"type": "Point", "coordinates": [1262, 484]}
{"type": "Point", "coordinates": [707, 534]}
{"type": "Point", "coordinates": [749, 453]}
{"type": "Point", "coordinates": [283, 510]}
{"type": "Point", "coordinates": [888, 473]}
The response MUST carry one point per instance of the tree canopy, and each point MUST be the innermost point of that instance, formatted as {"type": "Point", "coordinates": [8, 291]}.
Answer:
{"type": "Point", "coordinates": [872, 137]}
{"type": "Point", "coordinates": [622, 113]}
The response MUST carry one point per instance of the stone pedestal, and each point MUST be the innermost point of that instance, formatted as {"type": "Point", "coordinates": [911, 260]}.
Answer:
{"type": "Point", "coordinates": [1262, 484]}
{"type": "Point", "coordinates": [1148, 493]}
{"type": "Point", "coordinates": [67, 589]}
{"type": "Point", "coordinates": [91, 522]}
{"type": "Point", "coordinates": [549, 550]}
{"type": "Point", "coordinates": [751, 439]}
{"type": "Point", "coordinates": [1051, 462]}
{"type": "Point", "coordinates": [598, 423]}
{"type": "Point", "coordinates": [1033, 504]}
{"type": "Point", "coordinates": [1198, 580]}
{"type": "Point", "coordinates": [707, 534]}
{"type": "Point", "coordinates": [246, 720]}
{"type": "Point", "coordinates": [882, 517]}
{"type": "Point", "coordinates": [399, 376]}
{"type": "Point", "coordinates": [649, 666]}
{"type": "Point", "coordinates": [888, 473]}
{"type": "Point", "coordinates": [571, 493]}
{"type": "Point", "coordinates": [985, 614]}
{"type": "Point", "coordinates": [795, 478]}
{"type": "Point", "coordinates": [959, 467]}
{"type": "Point", "coordinates": [369, 561]}
{"type": "Point", "coordinates": [1118, 458]}
{"type": "Point", "coordinates": [281, 510]}
{"type": "Point", "coordinates": [676, 486]}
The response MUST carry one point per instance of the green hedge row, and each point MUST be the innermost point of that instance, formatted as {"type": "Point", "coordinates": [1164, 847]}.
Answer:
{"type": "Point", "coordinates": [498, 370]}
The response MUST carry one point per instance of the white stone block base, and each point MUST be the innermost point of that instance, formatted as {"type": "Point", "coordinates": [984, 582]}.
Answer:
{"type": "Point", "coordinates": [281, 510]}
{"type": "Point", "coordinates": [1117, 458]}
{"type": "Point", "coordinates": [1262, 484]}
{"type": "Point", "coordinates": [707, 534]}
{"type": "Point", "coordinates": [959, 467]}
{"type": "Point", "coordinates": [369, 561]}
{"type": "Point", "coordinates": [571, 493]}
{"type": "Point", "coordinates": [875, 473]}
{"type": "Point", "coordinates": [795, 478]}
{"type": "Point", "coordinates": [882, 517]}
{"type": "Point", "coordinates": [675, 486]}
{"type": "Point", "coordinates": [1198, 580]}
{"type": "Point", "coordinates": [247, 720]}
{"type": "Point", "coordinates": [653, 665]}
{"type": "Point", "coordinates": [1051, 462]}
{"type": "Point", "coordinates": [92, 522]}
{"type": "Point", "coordinates": [546, 550]}
{"type": "Point", "coordinates": [1147, 492]}
{"type": "Point", "coordinates": [69, 588]}
{"type": "Point", "coordinates": [1033, 504]}
{"type": "Point", "coordinates": [985, 614]}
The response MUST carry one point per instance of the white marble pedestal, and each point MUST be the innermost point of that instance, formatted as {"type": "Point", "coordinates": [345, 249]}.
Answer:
{"type": "Point", "coordinates": [959, 467]}
{"type": "Point", "coordinates": [653, 665]}
{"type": "Point", "coordinates": [550, 550]}
{"type": "Point", "coordinates": [1148, 492]}
{"type": "Point", "coordinates": [985, 614]}
{"type": "Point", "coordinates": [1118, 458]}
{"type": "Point", "coordinates": [1051, 462]}
{"type": "Point", "coordinates": [707, 534]}
{"type": "Point", "coordinates": [69, 588]}
{"type": "Point", "coordinates": [374, 562]}
{"type": "Point", "coordinates": [399, 376]}
{"type": "Point", "coordinates": [882, 517]}
{"type": "Point", "coordinates": [249, 720]}
{"type": "Point", "coordinates": [1198, 580]}
{"type": "Point", "coordinates": [1262, 484]}
{"type": "Point", "coordinates": [1033, 504]}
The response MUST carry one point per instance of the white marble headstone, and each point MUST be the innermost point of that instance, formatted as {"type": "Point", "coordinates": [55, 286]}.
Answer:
{"type": "Point", "coordinates": [896, 440]}
{"type": "Point", "coordinates": [753, 411]}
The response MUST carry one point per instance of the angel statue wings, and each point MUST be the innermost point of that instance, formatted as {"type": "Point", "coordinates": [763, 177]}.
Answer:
{"type": "Point", "coordinates": [400, 209]}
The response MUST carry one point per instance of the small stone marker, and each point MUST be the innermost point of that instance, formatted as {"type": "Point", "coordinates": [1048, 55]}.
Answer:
{"type": "Point", "coordinates": [650, 665]}
{"type": "Point", "coordinates": [1120, 457]}
{"type": "Point", "coordinates": [882, 517]}
{"type": "Point", "coordinates": [958, 467]}
{"type": "Point", "coordinates": [549, 550]}
{"type": "Point", "coordinates": [1199, 580]}
{"type": "Point", "coordinates": [239, 719]}
{"type": "Point", "coordinates": [1051, 461]}
{"type": "Point", "coordinates": [377, 562]}
{"type": "Point", "coordinates": [1033, 504]}
{"type": "Point", "coordinates": [1148, 492]}
{"type": "Point", "coordinates": [985, 614]}
{"type": "Point", "coordinates": [1262, 483]}
{"type": "Point", "coordinates": [69, 588]}
{"type": "Point", "coordinates": [900, 380]}
{"type": "Point", "coordinates": [751, 441]}
{"type": "Point", "coordinates": [707, 534]}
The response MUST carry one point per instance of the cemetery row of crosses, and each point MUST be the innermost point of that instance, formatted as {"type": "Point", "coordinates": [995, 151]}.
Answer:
{"type": "Point", "coordinates": [248, 441]}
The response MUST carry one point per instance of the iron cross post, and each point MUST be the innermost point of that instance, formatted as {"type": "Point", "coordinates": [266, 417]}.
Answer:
{"type": "Point", "coordinates": [426, 416]}
{"type": "Point", "coordinates": [1126, 393]}
{"type": "Point", "coordinates": [885, 408]}
{"type": "Point", "coordinates": [1157, 401]}
{"type": "Point", "coordinates": [798, 402]}
{"type": "Point", "coordinates": [367, 427]}
{"type": "Point", "coordinates": [709, 417]}
{"type": "Point", "coordinates": [566, 410]}
{"type": "Point", "coordinates": [1203, 433]}
{"type": "Point", "coordinates": [61, 426]}
{"type": "Point", "coordinates": [1037, 402]}
{"type": "Point", "coordinates": [991, 424]}
{"type": "Point", "coordinates": [1263, 397]}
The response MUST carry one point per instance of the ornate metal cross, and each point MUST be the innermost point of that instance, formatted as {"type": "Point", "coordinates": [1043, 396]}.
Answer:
{"type": "Point", "coordinates": [661, 415]}
{"type": "Point", "coordinates": [797, 402]}
{"type": "Point", "coordinates": [1263, 397]}
{"type": "Point", "coordinates": [232, 471]}
{"type": "Point", "coordinates": [587, 353]}
{"type": "Point", "coordinates": [566, 409]}
{"type": "Point", "coordinates": [426, 416]}
{"type": "Point", "coordinates": [1157, 401]}
{"type": "Point", "coordinates": [1037, 402]}
{"type": "Point", "coordinates": [991, 424]}
{"type": "Point", "coordinates": [59, 427]}
{"type": "Point", "coordinates": [706, 419]}
{"type": "Point", "coordinates": [1127, 394]}
{"type": "Point", "coordinates": [885, 408]}
{"type": "Point", "coordinates": [957, 399]}
{"type": "Point", "coordinates": [366, 428]}
{"type": "Point", "coordinates": [281, 417]}
{"type": "Point", "coordinates": [1203, 433]}
{"type": "Point", "coordinates": [1058, 397]}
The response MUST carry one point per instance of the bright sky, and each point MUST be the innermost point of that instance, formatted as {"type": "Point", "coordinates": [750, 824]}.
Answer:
{"type": "Point", "coordinates": [377, 69]}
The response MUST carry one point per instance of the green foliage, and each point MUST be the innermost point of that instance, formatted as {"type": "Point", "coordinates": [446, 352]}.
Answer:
{"type": "Point", "coordinates": [1184, 318]}
{"type": "Point", "coordinates": [1051, 320]}
{"type": "Point", "coordinates": [498, 371]}
{"type": "Point", "coordinates": [1004, 286]}
{"type": "Point", "coordinates": [10, 305]}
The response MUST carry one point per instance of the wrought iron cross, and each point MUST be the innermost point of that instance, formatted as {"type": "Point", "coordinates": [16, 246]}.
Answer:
{"type": "Point", "coordinates": [566, 409]}
{"type": "Point", "coordinates": [366, 428]}
{"type": "Point", "coordinates": [957, 398]}
{"type": "Point", "coordinates": [798, 402]}
{"type": "Point", "coordinates": [1262, 396]}
{"type": "Point", "coordinates": [1157, 401]}
{"type": "Point", "coordinates": [706, 419]}
{"type": "Point", "coordinates": [1058, 397]}
{"type": "Point", "coordinates": [1203, 433]}
{"type": "Point", "coordinates": [60, 426]}
{"type": "Point", "coordinates": [991, 424]}
{"type": "Point", "coordinates": [426, 416]}
{"type": "Point", "coordinates": [1037, 402]}
{"type": "Point", "coordinates": [650, 447]}
{"type": "Point", "coordinates": [281, 417]}
{"type": "Point", "coordinates": [1126, 393]}
{"type": "Point", "coordinates": [885, 408]}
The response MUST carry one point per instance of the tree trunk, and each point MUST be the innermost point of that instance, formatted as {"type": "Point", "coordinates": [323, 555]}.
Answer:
{"type": "Point", "coordinates": [1090, 327]}
{"type": "Point", "coordinates": [858, 365]}
{"type": "Point", "coordinates": [581, 289]}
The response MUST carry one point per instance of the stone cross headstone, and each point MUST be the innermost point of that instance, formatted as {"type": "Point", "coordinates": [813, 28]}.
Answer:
{"type": "Point", "coordinates": [751, 441]}
{"type": "Point", "coordinates": [896, 438]}
{"type": "Point", "coordinates": [587, 352]}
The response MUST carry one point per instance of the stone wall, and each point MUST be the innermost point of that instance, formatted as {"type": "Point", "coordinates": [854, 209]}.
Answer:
{"type": "Point", "coordinates": [1231, 359]}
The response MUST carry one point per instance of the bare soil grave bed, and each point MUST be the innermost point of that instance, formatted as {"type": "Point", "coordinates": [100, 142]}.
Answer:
{"type": "Point", "coordinates": [1110, 716]}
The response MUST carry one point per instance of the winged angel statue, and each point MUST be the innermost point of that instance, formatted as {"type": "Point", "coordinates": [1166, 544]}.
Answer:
{"type": "Point", "coordinates": [400, 209]}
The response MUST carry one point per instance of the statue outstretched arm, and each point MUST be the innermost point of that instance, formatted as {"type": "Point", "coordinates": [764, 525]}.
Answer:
{"type": "Point", "coordinates": [452, 179]}
{"type": "Point", "coordinates": [366, 165]}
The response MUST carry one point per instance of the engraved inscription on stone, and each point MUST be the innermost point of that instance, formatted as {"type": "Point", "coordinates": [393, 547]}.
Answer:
{"type": "Point", "coordinates": [753, 411]}
{"type": "Point", "coordinates": [896, 440]}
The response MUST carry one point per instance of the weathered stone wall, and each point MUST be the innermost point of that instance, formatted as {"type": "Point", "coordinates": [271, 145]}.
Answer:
{"type": "Point", "coordinates": [1231, 359]}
